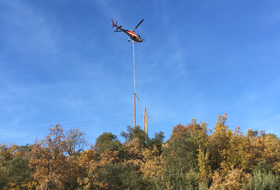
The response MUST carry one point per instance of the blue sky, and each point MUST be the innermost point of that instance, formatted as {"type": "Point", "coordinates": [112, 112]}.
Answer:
{"type": "Point", "coordinates": [61, 63]}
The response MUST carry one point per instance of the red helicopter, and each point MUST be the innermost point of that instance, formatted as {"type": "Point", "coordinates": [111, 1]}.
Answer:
{"type": "Point", "coordinates": [135, 37]}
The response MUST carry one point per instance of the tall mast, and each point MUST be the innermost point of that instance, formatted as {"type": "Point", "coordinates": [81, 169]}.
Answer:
{"type": "Point", "coordinates": [134, 93]}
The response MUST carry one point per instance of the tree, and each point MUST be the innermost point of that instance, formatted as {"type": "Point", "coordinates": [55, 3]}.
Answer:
{"type": "Point", "coordinates": [234, 179]}
{"type": "Point", "coordinates": [88, 164]}
{"type": "Point", "coordinates": [135, 132]}
{"type": "Point", "coordinates": [75, 141]}
{"type": "Point", "coordinates": [180, 159]}
{"type": "Point", "coordinates": [229, 155]}
{"type": "Point", "coordinates": [17, 171]}
{"type": "Point", "coordinates": [122, 176]}
{"type": "Point", "coordinates": [273, 137]}
{"type": "Point", "coordinates": [152, 167]}
{"type": "Point", "coordinates": [263, 176]}
{"type": "Point", "coordinates": [157, 141]}
{"type": "Point", "coordinates": [7, 153]}
{"type": "Point", "coordinates": [53, 170]}
{"type": "Point", "coordinates": [107, 141]}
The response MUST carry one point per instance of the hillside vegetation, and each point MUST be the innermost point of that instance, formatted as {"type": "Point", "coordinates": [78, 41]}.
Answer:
{"type": "Point", "coordinates": [193, 158]}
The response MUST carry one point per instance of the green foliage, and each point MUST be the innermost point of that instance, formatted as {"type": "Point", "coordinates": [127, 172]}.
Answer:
{"type": "Point", "coordinates": [192, 179]}
{"type": "Point", "coordinates": [3, 178]}
{"type": "Point", "coordinates": [107, 141]}
{"type": "Point", "coordinates": [203, 186]}
{"type": "Point", "coordinates": [157, 141]}
{"type": "Point", "coordinates": [135, 132]}
{"type": "Point", "coordinates": [122, 176]}
{"type": "Point", "coordinates": [180, 180]}
{"type": "Point", "coordinates": [17, 170]}
{"type": "Point", "coordinates": [180, 163]}
{"type": "Point", "coordinates": [264, 177]}
{"type": "Point", "coordinates": [265, 168]}
{"type": "Point", "coordinates": [273, 137]}
{"type": "Point", "coordinates": [104, 138]}
{"type": "Point", "coordinates": [191, 159]}
{"type": "Point", "coordinates": [263, 181]}
{"type": "Point", "coordinates": [145, 141]}
{"type": "Point", "coordinates": [6, 154]}
{"type": "Point", "coordinates": [25, 149]}
{"type": "Point", "coordinates": [181, 153]}
{"type": "Point", "coordinates": [255, 133]}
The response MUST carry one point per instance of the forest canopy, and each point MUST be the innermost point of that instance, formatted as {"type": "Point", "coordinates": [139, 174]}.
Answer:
{"type": "Point", "coordinates": [194, 157]}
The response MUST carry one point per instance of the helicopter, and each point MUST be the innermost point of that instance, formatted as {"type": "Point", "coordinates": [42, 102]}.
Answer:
{"type": "Point", "coordinates": [135, 37]}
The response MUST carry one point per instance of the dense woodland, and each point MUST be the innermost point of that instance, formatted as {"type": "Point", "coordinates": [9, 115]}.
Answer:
{"type": "Point", "coordinates": [193, 158]}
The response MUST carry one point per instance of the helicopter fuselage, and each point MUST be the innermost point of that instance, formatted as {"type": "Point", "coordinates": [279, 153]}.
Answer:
{"type": "Point", "coordinates": [135, 37]}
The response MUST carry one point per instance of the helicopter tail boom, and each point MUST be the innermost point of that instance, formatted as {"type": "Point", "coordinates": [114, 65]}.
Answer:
{"type": "Point", "coordinates": [115, 25]}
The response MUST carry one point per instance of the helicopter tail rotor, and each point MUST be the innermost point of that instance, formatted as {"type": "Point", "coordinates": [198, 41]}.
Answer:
{"type": "Point", "coordinates": [113, 24]}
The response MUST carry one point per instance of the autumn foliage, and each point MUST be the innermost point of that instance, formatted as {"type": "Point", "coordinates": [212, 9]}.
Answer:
{"type": "Point", "coordinates": [192, 158]}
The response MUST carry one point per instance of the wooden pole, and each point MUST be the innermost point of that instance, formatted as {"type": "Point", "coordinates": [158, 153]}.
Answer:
{"type": "Point", "coordinates": [134, 111]}
{"type": "Point", "coordinates": [144, 119]}
{"type": "Point", "coordinates": [146, 124]}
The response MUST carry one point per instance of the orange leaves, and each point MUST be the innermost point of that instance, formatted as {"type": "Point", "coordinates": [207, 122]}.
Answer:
{"type": "Point", "coordinates": [177, 130]}
{"type": "Point", "coordinates": [133, 150]}
{"type": "Point", "coordinates": [191, 156]}
{"type": "Point", "coordinates": [181, 130]}
{"type": "Point", "coordinates": [52, 168]}
{"type": "Point", "coordinates": [87, 155]}
{"type": "Point", "coordinates": [109, 157]}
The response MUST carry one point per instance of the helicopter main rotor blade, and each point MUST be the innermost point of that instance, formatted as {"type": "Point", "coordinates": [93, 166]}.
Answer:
{"type": "Point", "coordinates": [117, 31]}
{"type": "Point", "coordinates": [138, 24]}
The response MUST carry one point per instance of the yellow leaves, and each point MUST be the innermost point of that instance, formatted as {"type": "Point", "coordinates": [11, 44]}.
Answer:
{"type": "Point", "coordinates": [7, 152]}
{"type": "Point", "coordinates": [231, 155]}
{"type": "Point", "coordinates": [87, 155]}
{"type": "Point", "coordinates": [109, 157]}
{"type": "Point", "coordinates": [202, 140]}
{"type": "Point", "coordinates": [92, 180]}
{"type": "Point", "coordinates": [92, 164]}
{"type": "Point", "coordinates": [52, 168]}
{"type": "Point", "coordinates": [204, 166]}
{"type": "Point", "coordinates": [12, 186]}
{"type": "Point", "coordinates": [151, 166]}
{"type": "Point", "coordinates": [217, 181]}
{"type": "Point", "coordinates": [230, 149]}
{"type": "Point", "coordinates": [262, 148]}
{"type": "Point", "coordinates": [231, 180]}
{"type": "Point", "coordinates": [29, 184]}
{"type": "Point", "coordinates": [222, 149]}
{"type": "Point", "coordinates": [133, 149]}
